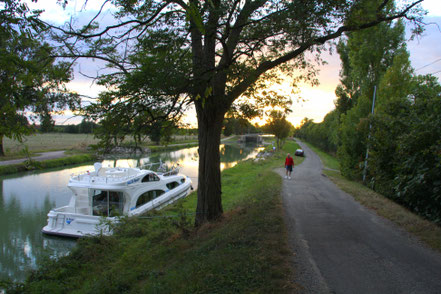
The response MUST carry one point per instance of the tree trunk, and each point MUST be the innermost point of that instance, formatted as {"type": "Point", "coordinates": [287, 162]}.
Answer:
{"type": "Point", "coordinates": [2, 152]}
{"type": "Point", "coordinates": [209, 206]}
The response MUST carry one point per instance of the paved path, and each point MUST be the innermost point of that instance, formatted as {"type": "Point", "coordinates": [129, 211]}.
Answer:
{"type": "Point", "coordinates": [42, 156]}
{"type": "Point", "coordinates": [342, 247]}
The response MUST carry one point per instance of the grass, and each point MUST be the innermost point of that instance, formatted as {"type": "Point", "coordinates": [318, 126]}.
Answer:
{"type": "Point", "coordinates": [329, 161]}
{"type": "Point", "coordinates": [244, 252]}
{"type": "Point", "coordinates": [426, 231]}
{"type": "Point", "coordinates": [48, 142]}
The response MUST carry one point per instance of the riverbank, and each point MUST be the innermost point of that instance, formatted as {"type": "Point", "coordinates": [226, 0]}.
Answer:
{"type": "Point", "coordinates": [31, 164]}
{"type": "Point", "coordinates": [246, 251]}
{"type": "Point", "coordinates": [34, 159]}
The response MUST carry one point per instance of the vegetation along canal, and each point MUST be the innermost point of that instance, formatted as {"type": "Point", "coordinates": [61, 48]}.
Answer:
{"type": "Point", "coordinates": [25, 200]}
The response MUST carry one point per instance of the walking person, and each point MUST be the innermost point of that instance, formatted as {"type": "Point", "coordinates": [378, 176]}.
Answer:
{"type": "Point", "coordinates": [289, 164]}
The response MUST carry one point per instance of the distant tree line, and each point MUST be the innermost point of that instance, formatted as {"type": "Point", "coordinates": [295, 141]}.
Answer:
{"type": "Point", "coordinates": [85, 127]}
{"type": "Point", "coordinates": [89, 127]}
{"type": "Point", "coordinates": [404, 133]}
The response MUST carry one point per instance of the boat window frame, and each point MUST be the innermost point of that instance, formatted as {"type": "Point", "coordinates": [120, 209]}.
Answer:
{"type": "Point", "coordinates": [109, 209]}
{"type": "Point", "coordinates": [174, 184]}
{"type": "Point", "coordinates": [150, 177]}
{"type": "Point", "coordinates": [154, 197]}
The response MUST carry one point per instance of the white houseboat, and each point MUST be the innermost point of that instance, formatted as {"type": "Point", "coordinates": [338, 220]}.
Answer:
{"type": "Point", "coordinates": [107, 193]}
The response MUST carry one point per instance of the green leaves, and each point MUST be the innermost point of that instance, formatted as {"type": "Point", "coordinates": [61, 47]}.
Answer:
{"type": "Point", "coordinates": [31, 83]}
{"type": "Point", "coordinates": [278, 126]}
{"type": "Point", "coordinates": [195, 17]}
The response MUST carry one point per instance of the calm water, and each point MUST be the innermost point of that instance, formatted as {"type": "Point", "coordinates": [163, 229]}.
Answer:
{"type": "Point", "coordinates": [26, 199]}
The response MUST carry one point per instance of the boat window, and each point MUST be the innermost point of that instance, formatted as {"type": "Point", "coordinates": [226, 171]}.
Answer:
{"type": "Point", "coordinates": [107, 203]}
{"type": "Point", "coordinates": [182, 181]}
{"type": "Point", "coordinates": [148, 196]}
{"type": "Point", "coordinates": [150, 178]}
{"type": "Point", "coordinates": [172, 185]}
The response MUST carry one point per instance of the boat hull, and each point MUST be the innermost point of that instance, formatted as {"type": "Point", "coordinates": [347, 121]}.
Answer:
{"type": "Point", "coordinates": [74, 225]}
{"type": "Point", "coordinates": [64, 221]}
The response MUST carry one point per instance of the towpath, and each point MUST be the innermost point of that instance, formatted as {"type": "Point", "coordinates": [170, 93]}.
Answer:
{"type": "Point", "coordinates": [342, 247]}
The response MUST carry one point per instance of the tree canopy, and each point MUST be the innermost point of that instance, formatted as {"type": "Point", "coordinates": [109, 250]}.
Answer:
{"type": "Point", "coordinates": [31, 82]}
{"type": "Point", "coordinates": [210, 53]}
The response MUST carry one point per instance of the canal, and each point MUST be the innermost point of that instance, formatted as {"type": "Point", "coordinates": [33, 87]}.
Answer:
{"type": "Point", "coordinates": [25, 200]}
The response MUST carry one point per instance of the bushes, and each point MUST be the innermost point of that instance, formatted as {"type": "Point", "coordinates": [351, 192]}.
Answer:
{"type": "Point", "coordinates": [417, 183]}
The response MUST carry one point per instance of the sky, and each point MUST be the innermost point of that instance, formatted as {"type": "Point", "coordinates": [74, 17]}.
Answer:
{"type": "Point", "coordinates": [315, 102]}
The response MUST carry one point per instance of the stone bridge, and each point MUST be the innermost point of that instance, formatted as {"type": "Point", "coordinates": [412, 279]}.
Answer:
{"type": "Point", "coordinates": [251, 138]}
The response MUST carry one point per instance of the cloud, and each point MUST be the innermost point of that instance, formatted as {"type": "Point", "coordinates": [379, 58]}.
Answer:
{"type": "Point", "coordinates": [433, 7]}
{"type": "Point", "coordinates": [56, 14]}
{"type": "Point", "coordinates": [85, 87]}
{"type": "Point", "coordinates": [67, 118]}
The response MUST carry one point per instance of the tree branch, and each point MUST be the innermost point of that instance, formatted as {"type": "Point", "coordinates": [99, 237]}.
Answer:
{"type": "Point", "coordinates": [76, 56]}
{"type": "Point", "coordinates": [268, 65]}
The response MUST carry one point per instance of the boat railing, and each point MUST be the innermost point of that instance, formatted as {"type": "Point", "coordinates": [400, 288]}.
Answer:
{"type": "Point", "coordinates": [93, 178]}
{"type": "Point", "coordinates": [162, 168]}
{"type": "Point", "coordinates": [173, 171]}
{"type": "Point", "coordinates": [155, 166]}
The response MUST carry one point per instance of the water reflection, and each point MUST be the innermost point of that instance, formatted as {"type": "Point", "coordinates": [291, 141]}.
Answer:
{"type": "Point", "coordinates": [23, 209]}
{"type": "Point", "coordinates": [188, 159]}
{"type": "Point", "coordinates": [25, 200]}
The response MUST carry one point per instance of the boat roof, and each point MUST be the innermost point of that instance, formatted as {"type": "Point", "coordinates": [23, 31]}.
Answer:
{"type": "Point", "coordinates": [115, 176]}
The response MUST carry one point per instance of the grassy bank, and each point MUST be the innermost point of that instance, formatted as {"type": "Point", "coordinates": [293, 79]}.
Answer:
{"type": "Point", "coordinates": [172, 147]}
{"type": "Point", "coordinates": [51, 163]}
{"type": "Point", "coordinates": [244, 252]}
{"type": "Point", "coordinates": [426, 231]}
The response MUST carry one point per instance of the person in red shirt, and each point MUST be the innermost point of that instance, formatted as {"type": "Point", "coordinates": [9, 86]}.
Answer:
{"type": "Point", "coordinates": [289, 164]}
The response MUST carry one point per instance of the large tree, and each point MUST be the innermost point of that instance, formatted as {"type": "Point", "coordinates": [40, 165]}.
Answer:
{"type": "Point", "coordinates": [31, 83]}
{"type": "Point", "coordinates": [210, 53]}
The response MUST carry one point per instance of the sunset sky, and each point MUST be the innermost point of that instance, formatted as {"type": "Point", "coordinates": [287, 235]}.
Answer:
{"type": "Point", "coordinates": [425, 55]}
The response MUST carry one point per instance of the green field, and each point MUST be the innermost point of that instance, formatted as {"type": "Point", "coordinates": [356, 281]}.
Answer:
{"type": "Point", "coordinates": [49, 142]}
